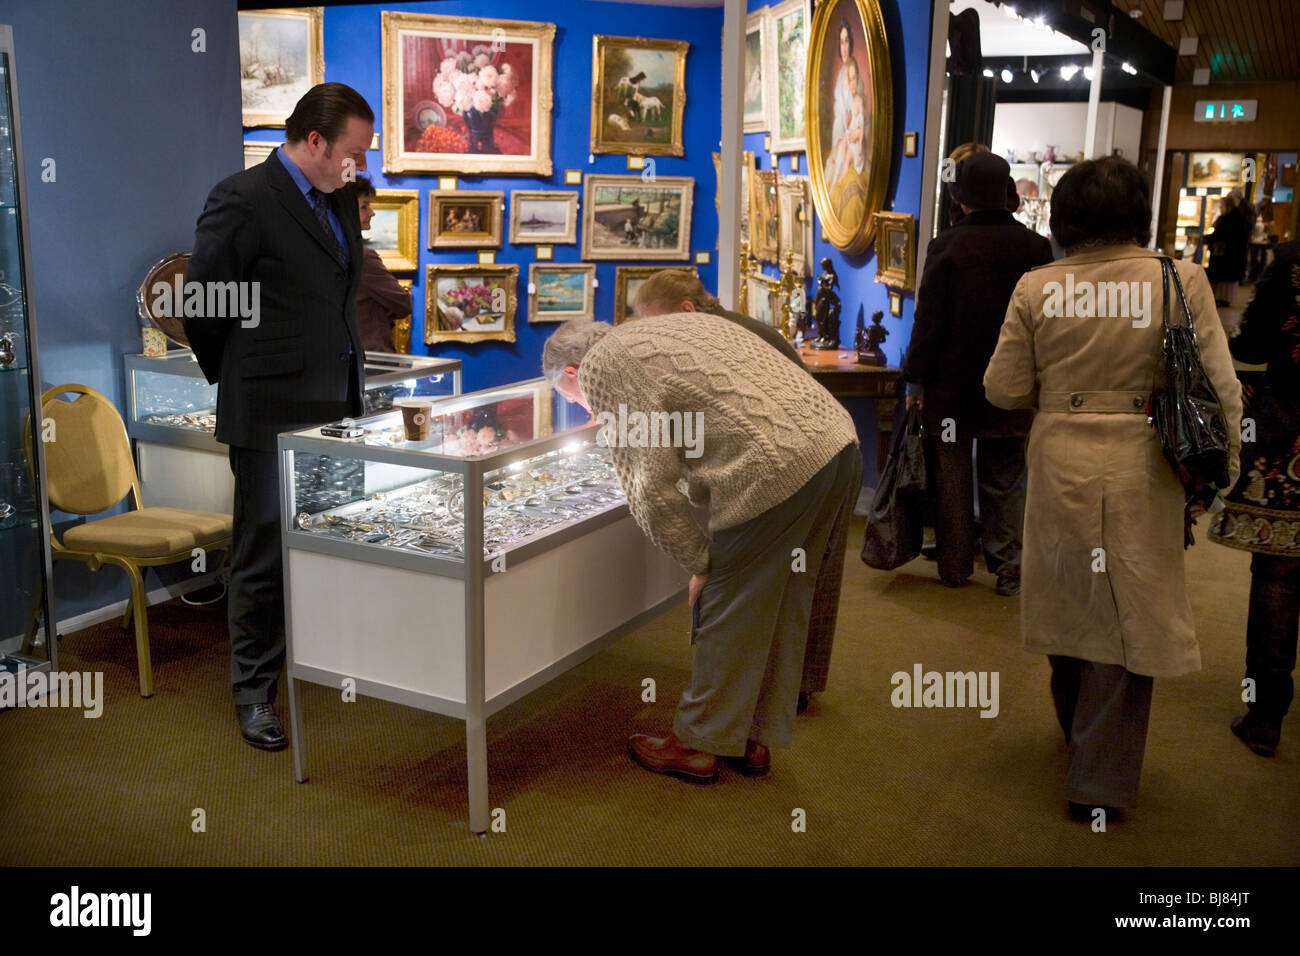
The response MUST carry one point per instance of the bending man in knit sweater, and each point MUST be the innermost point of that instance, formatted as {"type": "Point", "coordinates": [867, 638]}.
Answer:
{"type": "Point", "coordinates": [775, 457]}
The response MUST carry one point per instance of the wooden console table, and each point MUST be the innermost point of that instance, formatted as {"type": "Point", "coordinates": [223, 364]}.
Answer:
{"type": "Point", "coordinates": [843, 377]}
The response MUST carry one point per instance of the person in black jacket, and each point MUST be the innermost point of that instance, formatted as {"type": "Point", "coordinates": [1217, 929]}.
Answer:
{"type": "Point", "coordinates": [970, 272]}
{"type": "Point", "coordinates": [1228, 245]}
{"type": "Point", "coordinates": [286, 230]}
{"type": "Point", "coordinates": [1263, 509]}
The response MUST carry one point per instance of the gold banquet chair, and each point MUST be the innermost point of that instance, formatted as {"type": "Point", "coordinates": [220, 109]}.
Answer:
{"type": "Point", "coordinates": [89, 469]}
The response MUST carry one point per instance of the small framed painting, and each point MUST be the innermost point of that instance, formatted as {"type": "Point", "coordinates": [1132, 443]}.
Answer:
{"type": "Point", "coordinates": [787, 63]}
{"type": "Point", "coordinates": [548, 217]}
{"type": "Point", "coordinates": [394, 231]}
{"type": "Point", "coordinates": [627, 283]}
{"type": "Point", "coordinates": [763, 299]}
{"type": "Point", "coordinates": [280, 59]}
{"type": "Point", "coordinates": [625, 217]}
{"type": "Point", "coordinates": [1208, 170]}
{"type": "Point", "coordinates": [471, 303]}
{"type": "Point", "coordinates": [796, 216]}
{"type": "Point", "coordinates": [561, 292]}
{"type": "Point", "coordinates": [463, 219]}
{"type": "Point", "coordinates": [896, 249]}
{"type": "Point", "coordinates": [765, 215]}
{"type": "Point", "coordinates": [756, 56]}
{"type": "Point", "coordinates": [256, 151]}
{"type": "Point", "coordinates": [638, 95]}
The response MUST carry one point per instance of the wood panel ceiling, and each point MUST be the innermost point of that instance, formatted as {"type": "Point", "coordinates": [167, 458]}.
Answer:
{"type": "Point", "coordinates": [1239, 40]}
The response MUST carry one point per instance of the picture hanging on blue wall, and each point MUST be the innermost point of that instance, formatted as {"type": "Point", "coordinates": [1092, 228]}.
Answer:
{"type": "Point", "coordinates": [466, 95]}
{"type": "Point", "coordinates": [638, 95]}
{"type": "Point", "coordinates": [280, 59]}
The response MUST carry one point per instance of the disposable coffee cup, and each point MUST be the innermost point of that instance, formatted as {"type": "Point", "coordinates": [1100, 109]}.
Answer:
{"type": "Point", "coordinates": [417, 418]}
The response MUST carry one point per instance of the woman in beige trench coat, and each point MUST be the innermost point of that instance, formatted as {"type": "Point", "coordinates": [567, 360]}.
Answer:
{"type": "Point", "coordinates": [1104, 593]}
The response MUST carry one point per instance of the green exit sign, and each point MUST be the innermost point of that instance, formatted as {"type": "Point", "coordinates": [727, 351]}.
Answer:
{"type": "Point", "coordinates": [1226, 111]}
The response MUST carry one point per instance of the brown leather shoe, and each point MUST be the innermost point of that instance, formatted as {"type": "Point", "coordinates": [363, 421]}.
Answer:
{"type": "Point", "coordinates": [669, 755]}
{"type": "Point", "coordinates": [756, 762]}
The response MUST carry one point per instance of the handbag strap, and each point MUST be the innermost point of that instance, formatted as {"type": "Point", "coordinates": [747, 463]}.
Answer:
{"type": "Point", "coordinates": [1167, 268]}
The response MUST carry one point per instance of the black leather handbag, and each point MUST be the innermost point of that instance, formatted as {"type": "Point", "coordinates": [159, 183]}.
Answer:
{"type": "Point", "coordinates": [1185, 407]}
{"type": "Point", "coordinates": [895, 524]}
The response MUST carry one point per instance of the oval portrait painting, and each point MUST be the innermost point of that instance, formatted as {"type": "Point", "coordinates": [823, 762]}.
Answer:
{"type": "Point", "coordinates": [850, 119]}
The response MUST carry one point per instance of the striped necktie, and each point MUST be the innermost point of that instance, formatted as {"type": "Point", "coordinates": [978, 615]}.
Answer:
{"type": "Point", "coordinates": [320, 206]}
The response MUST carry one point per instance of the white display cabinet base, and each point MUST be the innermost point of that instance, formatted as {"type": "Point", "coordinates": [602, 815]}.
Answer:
{"type": "Point", "coordinates": [175, 476]}
{"type": "Point", "coordinates": [401, 635]}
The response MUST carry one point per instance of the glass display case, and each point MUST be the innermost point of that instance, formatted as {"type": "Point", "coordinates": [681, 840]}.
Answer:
{"type": "Point", "coordinates": [172, 415]}
{"type": "Point", "coordinates": [408, 564]}
{"type": "Point", "coordinates": [26, 602]}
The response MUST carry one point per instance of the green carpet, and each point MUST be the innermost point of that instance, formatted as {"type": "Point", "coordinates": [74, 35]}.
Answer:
{"type": "Point", "coordinates": [878, 785]}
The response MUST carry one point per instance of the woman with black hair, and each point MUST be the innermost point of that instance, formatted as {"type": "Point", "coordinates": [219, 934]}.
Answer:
{"type": "Point", "coordinates": [1103, 589]}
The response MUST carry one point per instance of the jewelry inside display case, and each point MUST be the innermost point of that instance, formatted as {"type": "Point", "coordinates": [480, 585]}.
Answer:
{"type": "Point", "coordinates": [460, 564]}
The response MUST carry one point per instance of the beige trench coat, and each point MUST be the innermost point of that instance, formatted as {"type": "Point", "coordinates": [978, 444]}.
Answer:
{"type": "Point", "coordinates": [1102, 571]}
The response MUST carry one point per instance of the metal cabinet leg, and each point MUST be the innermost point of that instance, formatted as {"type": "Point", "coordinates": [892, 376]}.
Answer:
{"type": "Point", "coordinates": [295, 734]}
{"type": "Point", "coordinates": [476, 752]}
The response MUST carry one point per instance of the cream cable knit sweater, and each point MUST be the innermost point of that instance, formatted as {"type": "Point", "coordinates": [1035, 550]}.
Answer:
{"type": "Point", "coordinates": [766, 427]}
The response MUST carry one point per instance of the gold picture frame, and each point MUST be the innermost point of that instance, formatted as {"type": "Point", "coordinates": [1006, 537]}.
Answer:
{"type": "Point", "coordinates": [256, 151]}
{"type": "Point", "coordinates": [763, 298]}
{"type": "Point", "coordinates": [623, 118]}
{"type": "Point", "coordinates": [757, 117]}
{"type": "Point", "coordinates": [492, 315]}
{"type": "Point", "coordinates": [796, 225]}
{"type": "Point", "coordinates": [269, 39]}
{"type": "Point", "coordinates": [413, 103]}
{"type": "Point", "coordinates": [543, 202]}
{"type": "Point", "coordinates": [399, 245]}
{"type": "Point", "coordinates": [628, 279]}
{"type": "Point", "coordinates": [765, 215]}
{"type": "Point", "coordinates": [747, 167]}
{"type": "Point", "coordinates": [465, 219]}
{"type": "Point", "coordinates": [785, 75]}
{"type": "Point", "coordinates": [627, 217]}
{"type": "Point", "coordinates": [896, 250]}
{"type": "Point", "coordinates": [543, 297]}
{"type": "Point", "coordinates": [847, 203]}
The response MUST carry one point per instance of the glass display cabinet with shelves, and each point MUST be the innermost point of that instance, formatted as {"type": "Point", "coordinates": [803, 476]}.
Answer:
{"type": "Point", "coordinates": [172, 416]}
{"type": "Point", "coordinates": [26, 597]}
{"type": "Point", "coordinates": [459, 573]}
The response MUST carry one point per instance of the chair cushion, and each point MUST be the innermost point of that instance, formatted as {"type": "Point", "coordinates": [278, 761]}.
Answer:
{"type": "Point", "coordinates": [150, 532]}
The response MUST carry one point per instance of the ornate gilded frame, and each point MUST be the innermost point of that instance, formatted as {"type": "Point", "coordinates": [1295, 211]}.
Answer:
{"type": "Point", "coordinates": [790, 191]}
{"type": "Point", "coordinates": [887, 224]}
{"type": "Point", "coordinates": [761, 181]}
{"type": "Point", "coordinates": [489, 238]}
{"type": "Point", "coordinates": [434, 271]}
{"type": "Point", "coordinates": [772, 74]}
{"type": "Point", "coordinates": [315, 59]}
{"type": "Point", "coordinates": [621, 276]}
{"type": "Point", "coordinates": [570, 233]}
{"type": "Point", "coordinates": [852, 238]}
{"type": "Point", "coordinates": [599, 44]}
{"type": "Point", "coordinates": [587, 269]}
{"type": "Point", "coordinates": [682, 251]}
{"type": "Point", "coordinates": [406, 257]}
{"type": "Point", "coordinates": [542, 38]}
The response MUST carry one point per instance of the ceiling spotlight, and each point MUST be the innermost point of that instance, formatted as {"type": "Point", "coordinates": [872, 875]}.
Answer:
{"type": "Point", "coordinates": [1035, 75]}
{"type": "Point", "coordinates": [1128, 68]}
{"type": "Point", "coordinates": [1006, 75]}
{"type": "Point", "coordinates": [1087, 73]}
{"type": "Point", "coordinates": [988, 72]}
{"type": "Point", "coordinates": [1011, 11]}
{"type": "Point", "coordinates": [1067, 72]}
{"type": "Point", "coordinates": [1040, 23]}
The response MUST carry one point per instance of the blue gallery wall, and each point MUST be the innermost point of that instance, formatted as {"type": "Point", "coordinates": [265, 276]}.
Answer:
{"type": "Point", "coordinates": [352, 46]}
{"type": "Point", "coordinates": [140, 128]}
{"type": "Point", "coordinates": [907, 28]}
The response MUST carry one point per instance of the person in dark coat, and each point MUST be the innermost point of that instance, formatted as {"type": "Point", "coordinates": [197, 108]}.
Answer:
{"type": "Point", "coordinates": [1228, 245]}
{"type": "Point", "coordinates": [380, 297]}
{"type": "Point", "coordinates": [970, 271]}
{"type": "Point", "coordinates": [1263, 509]}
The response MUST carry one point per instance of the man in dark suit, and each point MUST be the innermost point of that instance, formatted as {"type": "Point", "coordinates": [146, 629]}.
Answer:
{"type": "Point", "coordinates": [971, 269]}
{"type": "Point", "coordinates": [288, 232]}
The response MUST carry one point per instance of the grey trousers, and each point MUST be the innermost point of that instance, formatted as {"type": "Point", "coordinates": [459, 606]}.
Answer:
{"type": "Point", "coordinates": [753, 617]}
{"type": "Point", "coordinates": [1001, 477]}
{"type": "Point", "coordinates": [1103, 710]}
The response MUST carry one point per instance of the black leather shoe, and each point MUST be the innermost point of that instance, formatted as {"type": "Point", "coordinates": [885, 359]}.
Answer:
{"type": "Point", "coordinates": [1008, 583]}
{"type": "Point", "coordinates": [805, 697]}
{"type": "Point", "coordinates": [1261, 736]}
{"type": "Point", "coordinates": [260, 726]}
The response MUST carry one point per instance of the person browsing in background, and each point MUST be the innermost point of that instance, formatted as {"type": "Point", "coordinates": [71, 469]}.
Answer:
{"type": "Point", "coordinates": [777, 458]}
{"type": "Point", "coordinates": [380, 297]}
{"type": "Point", "coordinates": [971, 269]}
{"type": "Point", "coordinates": [680, 290]}
{"type": "Point", "coordinates": [290, 225]}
